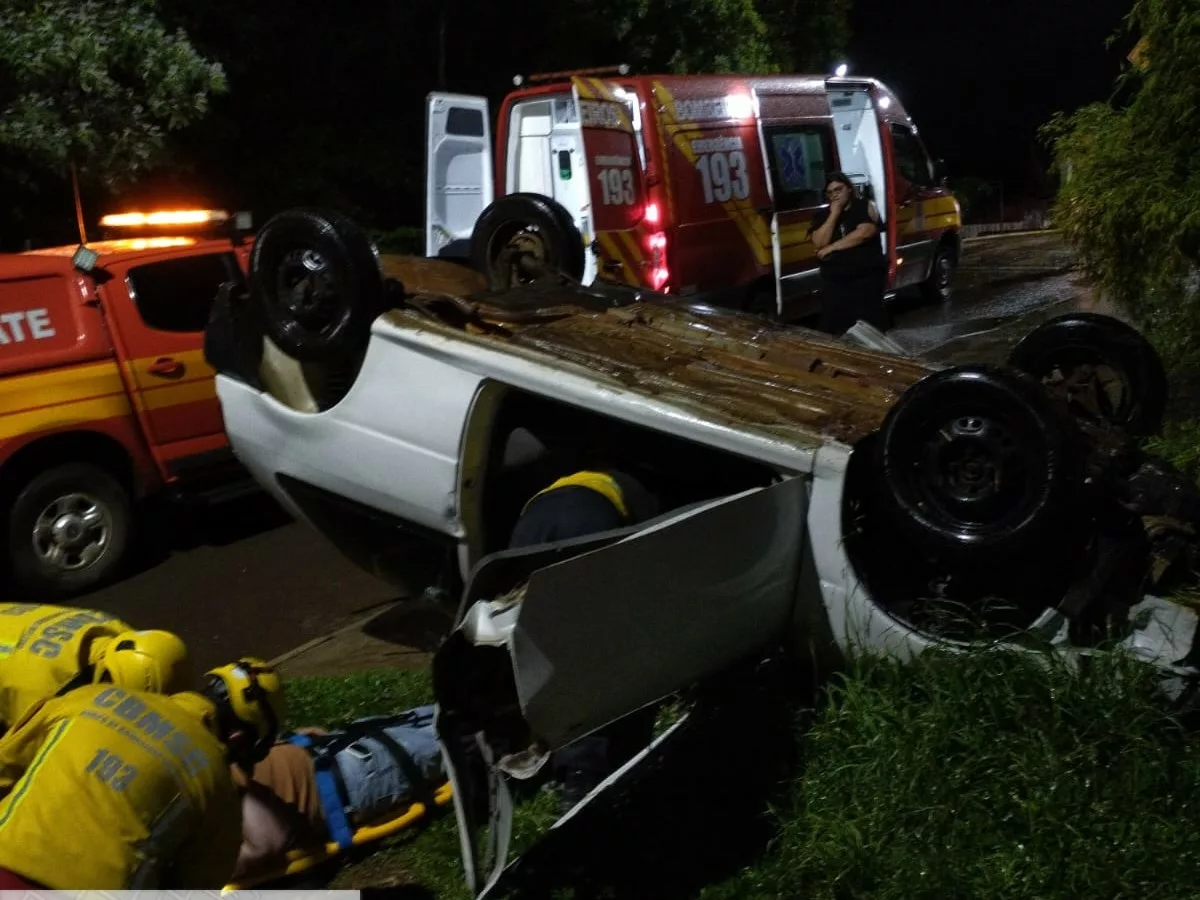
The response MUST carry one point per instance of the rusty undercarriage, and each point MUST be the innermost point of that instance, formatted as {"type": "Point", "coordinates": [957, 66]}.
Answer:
{"type": "Point", "coordinates": [783, 382]}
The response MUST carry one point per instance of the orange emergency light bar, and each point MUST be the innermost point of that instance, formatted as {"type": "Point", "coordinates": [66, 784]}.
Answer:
{"type": "Point", "coordinates": [165, 217]}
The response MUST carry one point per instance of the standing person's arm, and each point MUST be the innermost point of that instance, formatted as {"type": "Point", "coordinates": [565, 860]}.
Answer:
{"type": "Point", "coordinates": [823, 234]}
{"type": "Point", "coordinates": [862, 233]}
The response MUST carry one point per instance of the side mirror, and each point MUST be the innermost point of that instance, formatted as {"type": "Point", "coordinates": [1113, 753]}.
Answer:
{"type": "Point", "coordinates": [939, 172]}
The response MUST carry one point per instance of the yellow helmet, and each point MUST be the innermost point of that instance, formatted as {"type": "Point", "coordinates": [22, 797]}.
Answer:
{"type": "Point", "coordinates": [199, 706]}
{"type": "Point", "coordinates": [155, 661]}
{"type": "Point", "coordinates": [249, 696]}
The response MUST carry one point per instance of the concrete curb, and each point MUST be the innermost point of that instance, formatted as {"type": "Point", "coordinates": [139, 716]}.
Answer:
{"type": "Point", "coordinates": [1010, 234]}
{"type": "Point", "coordinates": [345, 629]}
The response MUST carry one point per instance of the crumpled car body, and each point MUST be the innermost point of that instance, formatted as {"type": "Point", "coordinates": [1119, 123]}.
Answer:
{"type": "Point", "coordinates": [822, 496]}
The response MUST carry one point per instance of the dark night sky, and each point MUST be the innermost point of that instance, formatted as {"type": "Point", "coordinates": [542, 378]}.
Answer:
{"type": "Point", "coordinates": [979, 76]}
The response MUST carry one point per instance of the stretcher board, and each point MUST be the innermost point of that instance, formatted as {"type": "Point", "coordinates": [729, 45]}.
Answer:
{"type": "Point", "coordinates": [301, 861]}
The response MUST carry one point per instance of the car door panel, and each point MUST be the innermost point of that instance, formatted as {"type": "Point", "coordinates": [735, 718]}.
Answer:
{"type": "Point", "coordinates": [605, 632]}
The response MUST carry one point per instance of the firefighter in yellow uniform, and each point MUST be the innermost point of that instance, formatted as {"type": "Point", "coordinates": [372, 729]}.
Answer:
{"type": "Point", "coordinates": [46, 651]}
{"type": "Point", "coordinates": [117, 789]}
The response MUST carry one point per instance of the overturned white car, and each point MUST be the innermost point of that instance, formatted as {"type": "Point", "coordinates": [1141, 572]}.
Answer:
{"type": "Point", "coordinates": [816, 492]}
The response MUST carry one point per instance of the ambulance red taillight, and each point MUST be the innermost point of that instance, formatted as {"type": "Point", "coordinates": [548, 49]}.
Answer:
{"type": "Point", "coordinates": [659, 273]}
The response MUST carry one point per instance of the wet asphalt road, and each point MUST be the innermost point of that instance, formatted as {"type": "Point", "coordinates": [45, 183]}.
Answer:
{"type": "Point", "coordinates": [245, 579]}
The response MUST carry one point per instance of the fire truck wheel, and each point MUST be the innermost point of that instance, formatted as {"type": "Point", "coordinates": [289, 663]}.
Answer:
{"type": "Point", "coordinates": [975, 464]}
{"type": "Point", "coordinates": [318, 279]}
{"type": "Point", "coordinates": [68, 529]}
{"type": "Point", "coordinates": [522, 237]}
{"type": "Point", "coordinates": [1104, 369]}
{"type": "Point", "coordinates": [939, 286]}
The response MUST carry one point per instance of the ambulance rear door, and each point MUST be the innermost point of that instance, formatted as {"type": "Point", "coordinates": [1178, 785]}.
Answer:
{"type": "Point", "coordinates": [624, 243]}
{"type": "Point", "coordinates": [458, 171]}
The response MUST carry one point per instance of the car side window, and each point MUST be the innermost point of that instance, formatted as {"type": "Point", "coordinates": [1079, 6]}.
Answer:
{"type": "Point", "coordinates": [911, 160]}
{"type": "Point", "coordinates": [801, 156]}
{"type": "Point", "coordinates": [177, 294]}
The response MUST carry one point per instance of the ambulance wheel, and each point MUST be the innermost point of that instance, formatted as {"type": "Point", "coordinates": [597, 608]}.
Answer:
{"type": "Point", "coordinates": [522, 237]}
{"type": "Point", "coordinates": [975, 463]}
{"type": "Point", "coordinates": [939, 286]}
{"type": "Point", "coordinates": [1104, 369]}
{"type": "Point", "coordinates": [68, 529]}
{"type": "Point", "coordinates": [317, 278]}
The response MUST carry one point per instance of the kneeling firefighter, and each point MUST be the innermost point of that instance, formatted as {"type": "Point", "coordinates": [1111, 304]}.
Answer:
{"type": "Point", "coordinates": [587, 502]}
{"type": "Point", "coordinates": [46, 651]}
{"type": "Point", "coordinates": [137, 785]}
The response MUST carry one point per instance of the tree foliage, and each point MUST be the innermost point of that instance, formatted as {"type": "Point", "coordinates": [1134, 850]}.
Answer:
{"type": "Point", "coordinates": [97, 82]}
{"type": "Point", "coordinates": [717, 36]}
{"type": "Point", "coordinates": [807, 35]}
{"type": "Point", "coordinates": [1130, 193]}
{"type": "Point", "coordinates": [693, 36]}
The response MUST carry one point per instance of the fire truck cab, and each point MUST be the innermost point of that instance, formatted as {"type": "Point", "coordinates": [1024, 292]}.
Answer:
{"type": "Point", "coordinates": [696, 185]}
{"type": "Point", "coordinates": [105, 396]}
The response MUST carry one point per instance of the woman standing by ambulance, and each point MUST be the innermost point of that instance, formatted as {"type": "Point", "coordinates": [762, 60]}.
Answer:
{"type": "Point", "coordinates": [853, 265]}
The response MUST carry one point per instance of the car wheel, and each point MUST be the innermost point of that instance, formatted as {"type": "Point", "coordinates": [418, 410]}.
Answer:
{"type": "Point", "coordinates": [522, 237]}
{"type": "Point", "coordinates": [939, 286]}
{"type": "Point", "coordinates": [68, 530]}
{"type": "Point", "coordinates": [318, 281]}
{"type": "Point", "coordinates": [976, 464]}
{"type": "Point", "coordinates": [1105, 370]}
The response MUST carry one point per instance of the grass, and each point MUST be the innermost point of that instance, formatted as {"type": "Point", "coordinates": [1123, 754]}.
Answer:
{"type": "Point", "coordinates": [335, 700]}
{"type": "Point", "coordinates": [1179, 444]}
{"type": "Point", "coordinates": [998, 774]}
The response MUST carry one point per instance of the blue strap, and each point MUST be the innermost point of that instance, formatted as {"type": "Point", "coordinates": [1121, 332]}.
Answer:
{"type": "Point", "coordinates": [331, 804]}
{"type": "Point", "coordinates": [327, 790]}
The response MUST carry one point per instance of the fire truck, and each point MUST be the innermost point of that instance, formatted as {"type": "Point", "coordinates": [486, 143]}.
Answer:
{"type": "Point", "coordinates": [105, 396]}
{"type": "Point", "coordinates": [696, 185]}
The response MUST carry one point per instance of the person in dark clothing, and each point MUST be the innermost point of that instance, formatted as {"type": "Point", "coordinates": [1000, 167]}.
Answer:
{"type": "Point", "coordinates": [853, 264]}
{"type": "Point", "coordinates": [585, 502]}
{"type": "Point", "coordinates": [588, 502]}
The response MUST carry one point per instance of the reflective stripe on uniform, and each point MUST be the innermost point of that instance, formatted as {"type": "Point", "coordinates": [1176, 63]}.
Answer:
{"type": "Point", "coordinates": [599, 482]}
{"type": "Point", "coordinates": [14, 800]}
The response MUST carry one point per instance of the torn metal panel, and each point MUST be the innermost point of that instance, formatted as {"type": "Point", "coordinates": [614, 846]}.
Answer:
{"type": "Point", "coordinates": [577, 664]}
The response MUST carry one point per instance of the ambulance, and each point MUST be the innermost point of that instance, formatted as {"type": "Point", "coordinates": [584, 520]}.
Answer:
{"type": "Point", "coordinates": [105, 396]}
{"type": "Point", "coordinates": [696, 185]}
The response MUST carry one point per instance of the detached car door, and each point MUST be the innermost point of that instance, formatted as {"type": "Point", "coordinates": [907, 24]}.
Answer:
{"type": "Point", "coordinates": [600, 634]}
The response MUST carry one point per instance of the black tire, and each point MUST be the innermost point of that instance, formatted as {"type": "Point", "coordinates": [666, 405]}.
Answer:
{"type": "Point", "coordinates": [976, 464]}
{"type": "Point", "coordinates": [939, 286]}
{"type": "Point", "coordinates": [1081, 342]}
{"type": "Point", "coordinates": [521, 235]}
{"type": "Point", "coordinates": [48, 512]}
{"type": "Point", "coordinates": [317, 279]}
